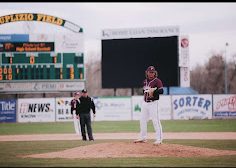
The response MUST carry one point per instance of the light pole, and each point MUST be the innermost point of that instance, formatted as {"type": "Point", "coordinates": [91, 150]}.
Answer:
{"type": "Point", "coordinates": [234, 59]}
{"type": "Point", "coordinates": [226, 80]}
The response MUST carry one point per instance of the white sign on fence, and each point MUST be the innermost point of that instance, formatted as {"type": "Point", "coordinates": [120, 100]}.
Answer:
{"type": "Point", "coordinates": [192, 106]}
{"type": "Point", "coordinates": [112, 108]}
{"type": "Point", "coordinates": [36, 110]}
{"type": "Point", "coordinates": [224, 106]}
{"type": "Point", "coordinates": [63, 109]}
{"type": "Point", "coordinates": [136, 107]}
{"type": "Point", "coordinates": [164, 107]}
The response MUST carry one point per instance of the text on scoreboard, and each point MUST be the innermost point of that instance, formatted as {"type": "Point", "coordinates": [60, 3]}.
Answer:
{"type": "Point", "coordinates": [38, 61]}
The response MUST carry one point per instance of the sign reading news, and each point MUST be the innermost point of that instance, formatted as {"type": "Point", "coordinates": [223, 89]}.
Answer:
{"type": "Point", "coordinates": [36, 110]}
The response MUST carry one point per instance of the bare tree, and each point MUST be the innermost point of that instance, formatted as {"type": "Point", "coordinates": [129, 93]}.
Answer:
{"type": "Point", "coordinates": [209, 78]}
{"type": "Point", "coordinates": [232, 75]}
{"type": "Point", "coordinates": [93, 76]}
{"type": "Point", "coordinates": [197, 79]}
{"type": "Point", "coordinates": [214, 80]}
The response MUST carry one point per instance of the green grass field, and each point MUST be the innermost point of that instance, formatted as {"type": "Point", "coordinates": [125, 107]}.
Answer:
{"type": "Point", "coordinates": [120, 126]}
{"type": "Point", "coordinates": [11, 150]}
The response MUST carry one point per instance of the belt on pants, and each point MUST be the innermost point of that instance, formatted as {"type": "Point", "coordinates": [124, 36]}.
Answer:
{"type": "Point", "coordinates": [148, 101]}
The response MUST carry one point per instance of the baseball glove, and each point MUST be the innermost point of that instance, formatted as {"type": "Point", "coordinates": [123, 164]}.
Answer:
{"type": "Point", "coordinates": [150, 92]}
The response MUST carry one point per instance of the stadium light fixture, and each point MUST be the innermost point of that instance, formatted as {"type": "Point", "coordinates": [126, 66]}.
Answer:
{"type": "Point", "coordinates": [225, 69]}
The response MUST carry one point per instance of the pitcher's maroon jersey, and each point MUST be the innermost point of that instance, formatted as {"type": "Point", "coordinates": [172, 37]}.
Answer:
{"type": "Point", "coordinates": [156, 82]}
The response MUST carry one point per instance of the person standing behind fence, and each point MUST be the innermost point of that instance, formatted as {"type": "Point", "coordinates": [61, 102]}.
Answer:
{"type": "Point", "coordinates": [86, 104]}
{"type": "Point", "coordinates": [75, 113]}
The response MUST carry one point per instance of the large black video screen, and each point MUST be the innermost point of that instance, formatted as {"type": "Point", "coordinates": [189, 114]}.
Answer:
{"type": "Point", "coordinates": [124, 61]}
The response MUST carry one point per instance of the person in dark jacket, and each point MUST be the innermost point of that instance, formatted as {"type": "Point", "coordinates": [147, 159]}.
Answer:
{"type": "Point", "coordinates": [86, 104]}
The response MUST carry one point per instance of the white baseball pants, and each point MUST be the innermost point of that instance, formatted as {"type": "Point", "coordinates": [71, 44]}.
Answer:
{"type": "Point", "coordinates": [150, 109]}
{"type": "Point", "coordinates": [76, 124]}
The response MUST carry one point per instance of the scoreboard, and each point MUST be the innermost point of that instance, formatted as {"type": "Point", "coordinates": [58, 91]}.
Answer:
{"type": "Point", "coordinates": [38, 61]}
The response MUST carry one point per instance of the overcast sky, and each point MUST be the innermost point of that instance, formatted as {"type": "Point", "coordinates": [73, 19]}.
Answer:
{"type": "Point", "coordinates": [208, 25]}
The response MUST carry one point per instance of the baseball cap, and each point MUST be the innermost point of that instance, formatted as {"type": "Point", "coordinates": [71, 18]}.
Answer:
{"type": "Point", "coordinates": [84, 91]}
{"type": "Point", "coordinates": [151, 68]}
{"type": "Point", "coordinates": [77, 93]}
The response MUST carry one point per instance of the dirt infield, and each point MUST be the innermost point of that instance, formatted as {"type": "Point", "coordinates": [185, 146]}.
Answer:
{"type": "Point", "coordinates": [130, 149]}
{"type": "Point", "coordinates": [127, 149]}
{"type": "Point", "coordinates": [168, 135]}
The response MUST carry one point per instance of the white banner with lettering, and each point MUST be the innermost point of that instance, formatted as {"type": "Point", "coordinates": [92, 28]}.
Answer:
{"type": "Point", "coordinates": [224, 106]}
{"type": "Point", "coordinates": [112, 108]}
{"type": "Point", "coordinates": [184, 51]}
{"type": "Point", "coordinates": [63, 107]}
{"type": "Point", "coordinates": [184, 77]}
{"type": "Point", "coordinates": [192, 106]}
{"type": "Point", "coordinates": [41, 86]}
{"type": "Point", "coordinates": [69, 43]}
{"type": "Point", "coordinates": [140, 32]}
{"type": "Point", "coordinates": [36, 110]}
{"type": "Point", "coordinates": [164, 107]}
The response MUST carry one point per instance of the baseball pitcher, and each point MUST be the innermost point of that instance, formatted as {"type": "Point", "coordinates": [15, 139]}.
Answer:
{"type": "Point", "coordinates": [152, 88]}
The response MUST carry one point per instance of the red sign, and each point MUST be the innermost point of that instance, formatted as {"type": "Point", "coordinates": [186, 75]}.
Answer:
{"type": "Point", "coordinates": [184, 43]}
{"type": "Point", "coordinates": [27, 47]}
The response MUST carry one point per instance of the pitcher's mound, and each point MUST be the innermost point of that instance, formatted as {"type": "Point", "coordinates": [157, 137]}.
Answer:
{"type": "Point", "coordinates": [130, 149]}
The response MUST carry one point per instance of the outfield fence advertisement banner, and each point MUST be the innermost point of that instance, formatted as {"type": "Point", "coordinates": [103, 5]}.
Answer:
{"type": "Point", "coordinates": [192, 106]}
{"type": "Point", "coordinates": [36, 110]}
{"type": "Point", "coordinates": [183, 107]}
{"type": "Point", "coordinates": [164, 107]}
{"type": "Point", "coordinates": [8, 110]}
{"type": "Point", "coordinates": [224, 106]}
{"type": "Point", "coordinates": [63, 112]}
{"type": "Point", "coordinates": [112, 108]}
{"type": "Point", "coordinates": [136, 107]}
